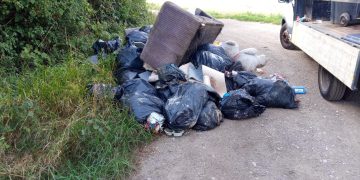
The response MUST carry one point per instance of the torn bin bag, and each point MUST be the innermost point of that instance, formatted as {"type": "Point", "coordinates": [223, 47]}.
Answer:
{"type": "Point", "coordinates": [272, 94]}
{"type": "Point", "coordinates": [142, 105]}
{"type": "Point", "coordinates": [183, 109]}
{"type": "Point", "coordinates": [209, 118]}
{"type": "Point", "coordinates": [239, 104]}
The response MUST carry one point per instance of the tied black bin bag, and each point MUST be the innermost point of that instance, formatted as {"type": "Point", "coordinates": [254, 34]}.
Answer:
{"type": "Point", "coordinates": [276, 94]}
{"type": "Point", "coordinates": [209, 118]}
{"type": "Point", "coordinates": [129, 57]}
{"type": "Point", "coordinates": [239, 104]}
{"type": "Point", "coordinates": [141, 98]}
{"type": "Point", "coordinates": [128, 64]}
{"type": "Point", "coordinates": [142, 105]}
{"type": "Point", "coordinates": [183, 109]}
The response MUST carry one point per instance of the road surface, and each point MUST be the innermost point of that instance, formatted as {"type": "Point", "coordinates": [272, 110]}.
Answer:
{"type": "Point", "coordinates": [320, 140]}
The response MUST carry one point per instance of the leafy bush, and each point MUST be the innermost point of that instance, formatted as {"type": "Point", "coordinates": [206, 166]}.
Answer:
{"type": "Point", "coordinates": [126, 12]}
{"type": "Point", "coordinates": [32, 30]}
{"type": "Point", "coordinates": [37, 33]}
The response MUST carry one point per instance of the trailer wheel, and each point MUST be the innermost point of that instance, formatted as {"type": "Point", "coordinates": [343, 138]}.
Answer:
{"type": "Point", "coordinates": [330, 87]}
{"type": "Point", "coordinates": [345, 19]}
{"type": "Point", "coordinates": [285, 38]}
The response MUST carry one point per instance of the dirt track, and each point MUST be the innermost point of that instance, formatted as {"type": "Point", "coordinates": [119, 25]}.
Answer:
{"type": "Point", "coordinates": [320, 140]}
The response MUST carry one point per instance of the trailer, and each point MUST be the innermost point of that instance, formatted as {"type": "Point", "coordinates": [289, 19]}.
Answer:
{"type": "Point", "coordinates": [329, 32]}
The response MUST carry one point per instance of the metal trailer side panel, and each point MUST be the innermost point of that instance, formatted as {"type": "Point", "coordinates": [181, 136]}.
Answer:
{"type": "Point", "coordinates": [339, 58]}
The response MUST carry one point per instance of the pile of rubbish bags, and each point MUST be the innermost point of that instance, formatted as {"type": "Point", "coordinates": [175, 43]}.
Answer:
{"type": "Point", "coordinates": [170, 99]}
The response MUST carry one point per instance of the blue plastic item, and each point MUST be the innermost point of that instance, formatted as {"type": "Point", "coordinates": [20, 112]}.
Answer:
{"type": "Point", "coordinates": [299, 89]}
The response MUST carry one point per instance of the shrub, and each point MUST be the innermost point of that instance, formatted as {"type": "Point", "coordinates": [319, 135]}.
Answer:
{"type": "Point", "coordinates": [39, 33]}
{"type": "Point", "coordinates": [31, 31]}
{"type": "Point", "coordinates": [126, 12]}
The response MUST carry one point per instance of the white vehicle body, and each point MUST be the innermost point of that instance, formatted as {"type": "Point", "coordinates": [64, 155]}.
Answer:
{"type": "Point", "coordinates": [324, 41]}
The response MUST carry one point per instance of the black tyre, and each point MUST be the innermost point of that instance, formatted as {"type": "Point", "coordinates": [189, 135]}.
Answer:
{"type": "Point", "coordinates": [330, 87]}
{"type": "Point", "coordinates": [345, 19]}
{"type": "Point", "coordinates": [285, 38]}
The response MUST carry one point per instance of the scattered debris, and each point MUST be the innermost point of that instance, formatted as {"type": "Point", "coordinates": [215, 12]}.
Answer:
{"type": "Point", "coordinates": [155, 122]}
{"type": "Point", "coordinates": [212, 82]}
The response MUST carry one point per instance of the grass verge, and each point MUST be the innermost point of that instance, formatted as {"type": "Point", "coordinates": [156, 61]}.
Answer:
{"type": "Point", "coordinates": [249, 16]}
{"type": "Point", "coordinates": [241, 16]}
{"type": "Point", "coordinates": [52, 128]}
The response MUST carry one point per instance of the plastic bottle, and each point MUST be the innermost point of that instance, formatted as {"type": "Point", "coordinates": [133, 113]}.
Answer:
{"type": "Point", "coordinates": [299, 89]}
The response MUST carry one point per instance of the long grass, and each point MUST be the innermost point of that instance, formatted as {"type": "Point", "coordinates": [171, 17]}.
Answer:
{"type": "Point", "coordinates": [52, 128]}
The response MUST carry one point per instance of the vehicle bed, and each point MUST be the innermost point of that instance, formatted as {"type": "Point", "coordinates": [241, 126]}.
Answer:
{"type": "Point", "coordinates": [337, 31]}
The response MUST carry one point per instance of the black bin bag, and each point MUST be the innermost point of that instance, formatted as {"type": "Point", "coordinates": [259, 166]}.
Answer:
{"type": "Point", "coordinates": [236, 80]}
{"type": "Point", "coordinates": [211, 56]}
{"type": "Point", "coordinates": [170, 72]}
{"type": "Point", "coordinates": [137, 36]}
{"type": "Point", "coordinates": [210, 117]}
{"type": "Point", "coordinates": [122, 75]}
{"type": "Point", "coordinates": [138, 85]}
{"type": "Point", "coordinates": [128, 64]}
{"type": "Point", "coordinates": [142, 105]}
{"type": "Point", "coordinates": [239, 104]}
{"type": "Point", "coordinates": [146, 29]}
{"type": "Point", "coordinates": [236, 66]}
{"type": "Point", "coordinates": [218, 50]}
{"type": "Point", "coordinates": [167, 91]}
{"type": "Point", "coordinates": [276, 94]}
{"type": "Point", "coordinates": [129, 58]}
{"type": "Point", "coordinates": [141, 99]}
{"type": "Point", "coordinates": [183, 109]}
